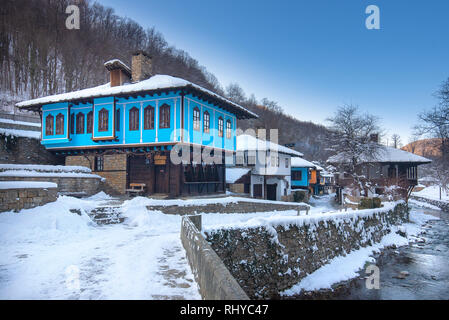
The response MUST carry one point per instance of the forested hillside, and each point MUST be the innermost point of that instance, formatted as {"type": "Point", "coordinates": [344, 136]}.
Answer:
{"type": "Point", "coordinates": [39, 56]}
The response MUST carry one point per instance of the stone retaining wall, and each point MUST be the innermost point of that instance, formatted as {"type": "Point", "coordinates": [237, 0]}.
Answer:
{"type": "Point", "coordinates": [268, 259]}
{"type": "Point", "coordinates": [66, 185]}
{"type": "Point", "coordinates": [18, 199]}
{"type": "Point", "coordinates": [443, 205]}
{"type": "Point", "coordinates": [236, 207]}
{"type": "Point", "coordinates": [214, 280]}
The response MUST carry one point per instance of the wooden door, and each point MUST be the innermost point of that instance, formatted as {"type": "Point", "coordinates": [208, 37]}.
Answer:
{"type": "Point", "coordinates": [162, 182]}
{"type": "Point", "coordinates": [271, 191]}
{"type": "Point", "coordinates": [140, 171]}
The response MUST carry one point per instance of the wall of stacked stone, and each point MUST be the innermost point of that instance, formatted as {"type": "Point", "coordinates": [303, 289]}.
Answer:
{"type": "Point", "coordinates": [114, 170]}
{"type": "Point", "coordinates": [231, 207]}
{"type": "Point", "coordinates": [18, 199]}
{"type": "Point", "coordinates": [26, 151]}
{"type": "Point", "coordinates": [69, 185]}
{"type": "Point", "coordinates": [268, 259]}
{"type": "Point", "coordinates": [214, 280]}
{"type": "Point", "coordinates": [443, 205]}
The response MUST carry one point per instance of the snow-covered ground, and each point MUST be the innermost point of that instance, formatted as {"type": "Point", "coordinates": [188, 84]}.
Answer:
{"type": "Point", "coordinates": [51, 253]}
{"type": "Point", "coordinates": [432, 193]}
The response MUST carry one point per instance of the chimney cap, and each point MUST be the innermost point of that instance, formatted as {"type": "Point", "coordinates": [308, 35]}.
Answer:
{"type": "Point", "coordinates": [138, 52]}
{"type": "Point", "coordinates": [117, 64]}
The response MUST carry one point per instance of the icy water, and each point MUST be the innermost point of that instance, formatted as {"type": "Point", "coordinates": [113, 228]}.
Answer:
{"type": "Point", "coordinates": [427, 264]}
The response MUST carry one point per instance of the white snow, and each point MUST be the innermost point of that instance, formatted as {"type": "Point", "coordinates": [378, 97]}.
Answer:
{"type": "Point", "coordinates": [49, 252]}
{"type": "Point", "coordinates": [155, 82]}
{"type": "Point", "coordinates": [30, 170]}
{"type": "Point", "coordinates": [386, 154]}
{"type": "Point", "coordinates": [246, 142]}
{"type": "Point", "coordinates": [233, 174]}
{"type": "Point", "coordinates": [433, 193]}
{"type": "Point", "coordinates": [344, 268]}
{"type": "Point", "coordinates": [299, 162]}
{"type": "Point", "coordinates": [271, 221]}
{"type": "Point", "coordinates": [48, 168]}
{"type": "Point", "coordinates": [206, 201]}
{"type": "Point", "coordinates": [29, 173]}
{"type": "Point", "coordinates": [21, 133]}
{"type": "Point", "coordinates": [26, 185]}
{"type": "Point", "coordinates": [25, 123]}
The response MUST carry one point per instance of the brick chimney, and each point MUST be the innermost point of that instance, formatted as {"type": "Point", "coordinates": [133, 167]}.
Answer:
{"type": "Point", "coordinates": [119, 72]}
{"type": "Point", "coordinates": [141, 66]}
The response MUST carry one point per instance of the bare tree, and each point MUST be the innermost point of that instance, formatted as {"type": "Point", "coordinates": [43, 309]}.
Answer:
{"type": "Point", "coordinates": [396, 141]}
{"type": "Point", "coordinates": [434, 123]}
{"type": "Point", "coordinates": [351, 133]}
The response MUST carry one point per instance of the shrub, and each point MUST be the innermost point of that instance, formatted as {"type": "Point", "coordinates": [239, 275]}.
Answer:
{"type": "Point", "coordinates": [299, 196]}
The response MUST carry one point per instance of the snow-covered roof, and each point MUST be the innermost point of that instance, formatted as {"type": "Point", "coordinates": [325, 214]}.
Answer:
{"type": "Point", "coordinates": [386, 154]}
{"type": "Point", "coordinates": [114, 63]}
{"type": "Point", "coordinates": [26, 185]}
{"type": "Point", "coordinates": [154, 83]}
{"type": "Point", "coordinates": [246, 142]}
{"type": "Point", "coordinates": [298, 162]}
{"type": "Point", "coordinates": [301, 163]}
{"type": "Point", "coordinates": [233, 174]}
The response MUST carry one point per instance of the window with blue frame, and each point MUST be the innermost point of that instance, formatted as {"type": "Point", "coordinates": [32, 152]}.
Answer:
{"type": "Point", "coordinates": [164, 116]}
{"type": "Point", "coordinates": [228, 129]}
{"type": "Point", "coordinates": [133, 119]}
{"type": "Point", "coordinates": [103, 120]}
{"type": "Point", "coordinates": [296, 175]}
{"type": "Point", "coordinates": [220, 127]}
{"type": "Point", "coordinates": [206, 122]}
{"type": "Point", "coordinates": [148, 118]}
{"type": "Point", "coordinates": [59, 124]}
{"type": "Point", "coordinates": [49, 125]}
{"type": "Point", "coordinates": [196, 119]}
{"type": "Point", "coordinates": [80, 123]}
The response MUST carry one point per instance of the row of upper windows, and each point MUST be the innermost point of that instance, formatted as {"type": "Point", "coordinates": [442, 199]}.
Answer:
{"type": "Point", "coordinates": [103, 121]}
{"type": "Point", "coordinates": [206, 123]}
{"type": "Point", "coordinates": [148, 120]}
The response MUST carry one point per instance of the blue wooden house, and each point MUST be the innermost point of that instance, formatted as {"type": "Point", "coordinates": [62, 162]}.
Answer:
{"type": "Point", "coordinates": [305, 175]}
{"type": "Point", "coordinates": [127, 130]}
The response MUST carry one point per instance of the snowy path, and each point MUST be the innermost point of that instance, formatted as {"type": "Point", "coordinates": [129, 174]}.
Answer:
{"type": "Point", "coordinates": [44, 251]}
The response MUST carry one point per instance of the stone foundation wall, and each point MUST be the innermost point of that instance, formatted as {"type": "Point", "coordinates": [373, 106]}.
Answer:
{"type": "Point", "coordinates": [214, 280]}
{"type": "Point", "coordinates": [268, 259]}
{"type": "Point", "coordinates": [66, 185]}
{"type": "Point", "coordinates": [443, 205]}
{"type": "Point", "coordinates": [18, 199]}
{"type": "Point", "coordinates": [114, 169]}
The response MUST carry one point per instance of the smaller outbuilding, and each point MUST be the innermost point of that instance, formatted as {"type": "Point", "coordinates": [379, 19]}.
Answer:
{"type": "Point", "coordinates": [262, 169]}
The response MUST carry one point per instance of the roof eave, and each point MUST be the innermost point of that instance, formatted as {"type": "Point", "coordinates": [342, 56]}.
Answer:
{"type": "Point", "coordinates": [238, 110]}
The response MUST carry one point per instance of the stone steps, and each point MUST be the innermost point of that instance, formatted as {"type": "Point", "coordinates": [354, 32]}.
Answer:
{"type": "Point", "coordinates": [106, 215]}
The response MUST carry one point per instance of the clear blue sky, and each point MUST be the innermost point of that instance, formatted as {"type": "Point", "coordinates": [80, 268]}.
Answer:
{"type": "Point", "coordinates": [312, 56]}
